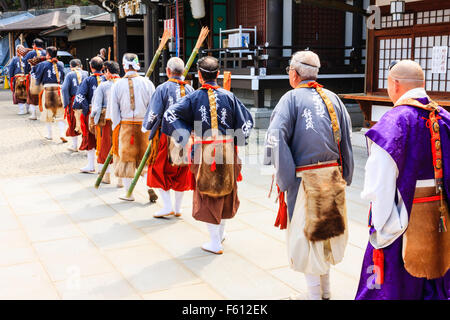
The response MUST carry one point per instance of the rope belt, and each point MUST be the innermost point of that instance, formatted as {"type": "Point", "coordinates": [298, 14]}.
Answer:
{"type": "Point", "coordinates": [316, 166]}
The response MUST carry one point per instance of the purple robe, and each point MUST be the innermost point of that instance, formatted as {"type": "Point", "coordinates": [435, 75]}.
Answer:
{"type": "Point", "coordinates": [402, 133]}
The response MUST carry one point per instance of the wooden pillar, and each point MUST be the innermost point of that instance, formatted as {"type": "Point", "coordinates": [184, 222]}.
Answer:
{"type": "Point", "coordinates": [151, 40]}
{"type": "Point", "coordinates": [357, 39]}
{"type": "Point", "coordinates": [12, 48]}
{"type": "Point", "coordinates": [120, 39]}
{"type": "Point", "coordinates": [274, 29]}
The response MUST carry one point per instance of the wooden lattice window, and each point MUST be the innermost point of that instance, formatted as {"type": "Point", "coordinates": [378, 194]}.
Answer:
{"type": "Point", "coordinates": [434, 16]}
{"type": "Point", "coordinates": [251, 13]}
{"type": "Point", "coordinates": [423, 54]}
{"type": "Point", "coordinates": [391, 49]}
{"type": "Point", "coordinates": [407, 20]}
{"type": "Point", "coordinates": [322, 30]}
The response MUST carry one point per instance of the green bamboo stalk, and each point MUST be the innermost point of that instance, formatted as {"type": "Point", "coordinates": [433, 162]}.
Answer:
{"type": "Point", "coordinates": [194, 53]}
{"type": "Point", "coordinates": [153, 64]}
{"type": "Point", "coordinates": [147, 74]}
{"type": "Point", "coordinates": [190, 62]}
{"type": "Point", "coordinates": [139, 170]}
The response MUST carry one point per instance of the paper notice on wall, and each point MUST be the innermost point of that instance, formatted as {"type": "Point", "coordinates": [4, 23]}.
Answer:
{"type": "Point", "coordinates": [439, 59]}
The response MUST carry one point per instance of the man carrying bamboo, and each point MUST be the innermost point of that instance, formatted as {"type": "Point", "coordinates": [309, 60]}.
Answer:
{"type": "Point", "coordinates": [130, 97]}
{"type": "Point", "coordinates": [220, 123]}
{"type": "Point", "coordinates": [163, 173]}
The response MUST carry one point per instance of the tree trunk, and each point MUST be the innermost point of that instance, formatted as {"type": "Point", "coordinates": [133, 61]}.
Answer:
{"type": "Point", "coordinates": [24, 5]}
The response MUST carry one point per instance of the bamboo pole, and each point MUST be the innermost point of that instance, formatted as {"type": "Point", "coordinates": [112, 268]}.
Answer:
{"type": "Point", "coordinates": [203, 34]}
{"type": "Point", "coordinates": [164, 39]}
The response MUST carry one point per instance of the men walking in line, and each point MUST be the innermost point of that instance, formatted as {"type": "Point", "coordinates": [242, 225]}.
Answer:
{"type": "Point", "coordinates": [82, 102]}
{"type": "Point", "coordinates": [69, 90]}
{"type": "Point", "coordinates": [30, 60]}
{"type": "Point", "coordinates": [308, 142]}
{"type": "Point", "coordinates": [18, 79]}
{"type": "Point", "coordinates": [163, 173]}
{"type": "Point", "coordinates": [101, 114]}
{"type": "Point", "coordinates": [407, 180]}
{"type": "Point", "coordinates": [50, 75]}
{"type": "Point", "coordinates": [130, 97]}
{"type": "Point", "coordinates": [220, 123]}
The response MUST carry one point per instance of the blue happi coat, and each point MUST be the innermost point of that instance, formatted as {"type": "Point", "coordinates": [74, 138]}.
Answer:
{"type": "Point", "coordinates": [16, 66]}
{"type": "Point", "coordinates": [193, 113]}
{"type": "Point", "coordinates": [70, 85]}
{"type": "Point", "coordinates": [45, 73]}
{"type": "Point", "coordinates": [31, 55]}
{"type": "Point", "coordinates": [300, 134]}
{"type": "Point", "coordinates": [165, 96]}
{"type": "Point", "coordinates": [85, 92]}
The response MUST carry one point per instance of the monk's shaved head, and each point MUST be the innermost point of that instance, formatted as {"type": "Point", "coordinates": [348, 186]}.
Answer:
{"type": "Point", "coordinates": [405, 75]}
{"type": "Point", "coordinates": [407, 70]}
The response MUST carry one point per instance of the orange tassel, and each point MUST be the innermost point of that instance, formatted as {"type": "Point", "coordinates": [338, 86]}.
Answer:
{"type": "Point", "coordinates": [281, 220]}
{"type": "Point", "coordinates": [239, 178]}
{"type": "Point", "coordinates": [132, 140]}
{"type": "Point", "coordinates": [378, 261]}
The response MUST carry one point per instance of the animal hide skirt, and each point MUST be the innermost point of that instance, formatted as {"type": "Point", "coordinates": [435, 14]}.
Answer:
{"type": "Point", "coordinates": [20, 89]}
{"type": "Point", "coordinates": [52, 103]}
{"type": "Point", "coordinates": [132, 146]}
{"type": "Point", "coordinates": [426, 251]}
{"type": "Point", "coordinates": [316, 205]}
{"type": "Point", "coordinates": [33, 91]}
{"type": "Point", "coordinates": [106, 142]}
{"type": "Point", "coordinates": [214, 209]}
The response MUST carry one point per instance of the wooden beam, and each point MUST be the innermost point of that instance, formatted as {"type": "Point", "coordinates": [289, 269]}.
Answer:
{"type": "Point", "coordinates": [333, 4]}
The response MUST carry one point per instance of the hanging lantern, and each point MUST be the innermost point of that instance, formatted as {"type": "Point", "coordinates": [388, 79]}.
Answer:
{"type": "Point", "coordinates": [397, 10]}
{"type": "Point", "coordinates": [198, 8]}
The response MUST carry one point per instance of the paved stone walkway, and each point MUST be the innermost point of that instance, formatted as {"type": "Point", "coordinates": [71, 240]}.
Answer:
{"type": "Point", "coordinates": [60, 238]}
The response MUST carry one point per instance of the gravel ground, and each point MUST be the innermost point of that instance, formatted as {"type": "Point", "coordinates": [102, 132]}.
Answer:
{"type": "Point", "coordinates": [23, 149]}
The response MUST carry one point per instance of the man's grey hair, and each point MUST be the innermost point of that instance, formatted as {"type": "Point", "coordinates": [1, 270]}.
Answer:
{"type": "Point", "coordinates": [175, 65]}
{"type": "Point", "coordinates": [307, 64]}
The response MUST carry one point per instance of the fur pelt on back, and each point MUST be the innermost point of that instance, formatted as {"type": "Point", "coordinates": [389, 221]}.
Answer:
{"type": "Point", "coordinates": [325, 203]}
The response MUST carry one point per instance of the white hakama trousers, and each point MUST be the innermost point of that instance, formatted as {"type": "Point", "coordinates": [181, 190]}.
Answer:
{"type": "Point", "coordinates": [309, 257]}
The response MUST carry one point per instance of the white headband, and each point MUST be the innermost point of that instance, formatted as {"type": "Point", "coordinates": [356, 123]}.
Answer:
{"type": "Point", "coordinates": [134, 64]}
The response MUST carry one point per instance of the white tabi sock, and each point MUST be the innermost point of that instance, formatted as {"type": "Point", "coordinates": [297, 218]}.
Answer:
{"type": "Point", "coordinates": [178, 200]}
{"type": "Point", "coordinates": [99, 167]}
{"type": "Point", "coordinates": [62, 128]}
{"type": "Point", "coordinates": [313, 283]}
{"type": "Point", "coordinates": [75, 143]}
{"type": "Point", "coordinates": [215, 245]}
{"type": "Point", "coordinates": [33, 112]}
{"type": "Point", "coordinates": [49, 131]}
{"type": "Point", "coordinates": [222, 230]}
{"type": "Point", "coordinates": [22, 109]}
{"type": "Point", "coordinates": [90, 168]}
{"type": "Point", "coordinates": [126, 183]}
{"type": "Point", "coordinates": [167, 204]}
{"type": "Point", "coordinates": [325, 284]}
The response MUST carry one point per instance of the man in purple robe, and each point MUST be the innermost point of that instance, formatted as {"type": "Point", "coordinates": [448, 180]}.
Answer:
{"type": "Point", "coordinates": [407, 180]}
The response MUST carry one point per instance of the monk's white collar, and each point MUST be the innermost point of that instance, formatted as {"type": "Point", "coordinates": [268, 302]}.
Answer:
{"type": "Point", "coordinates": [414, 94]}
